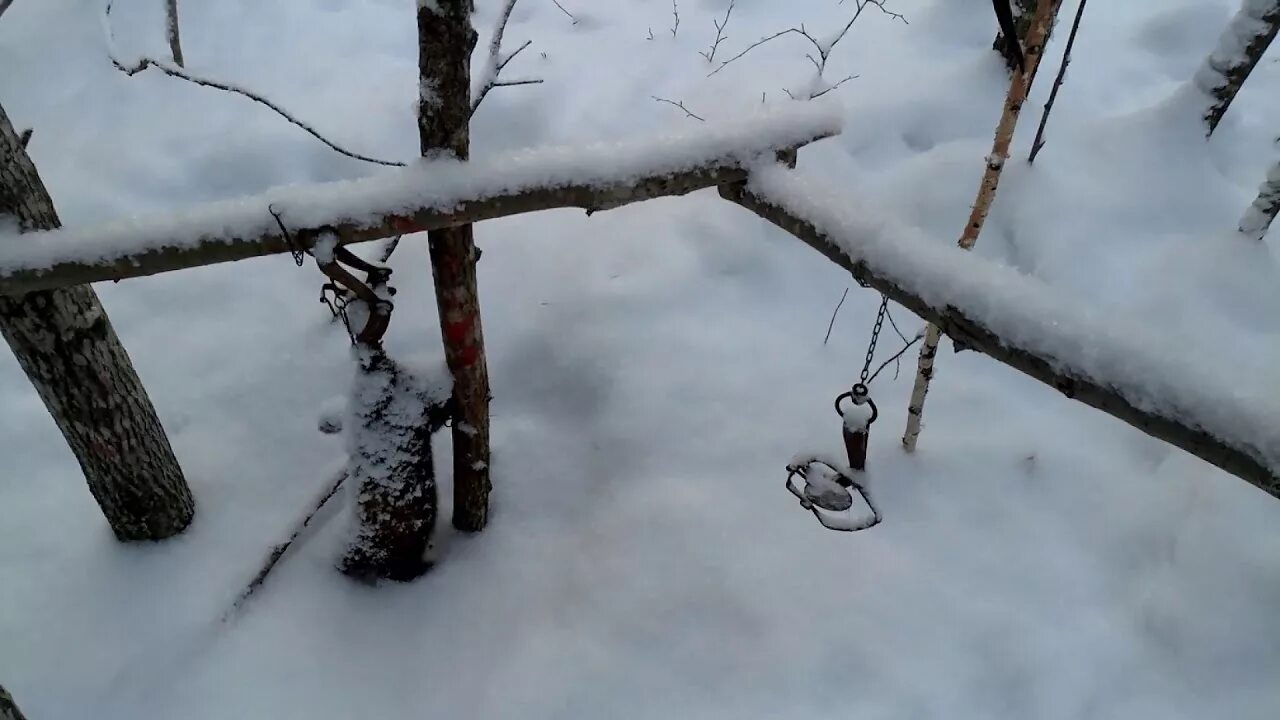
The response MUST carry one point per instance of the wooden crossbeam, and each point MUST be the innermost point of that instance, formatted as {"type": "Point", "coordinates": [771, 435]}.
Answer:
{"type": "Point", "coordinates": [429, 196]}
{"type": "Point", "coordinates": [1201, 435]}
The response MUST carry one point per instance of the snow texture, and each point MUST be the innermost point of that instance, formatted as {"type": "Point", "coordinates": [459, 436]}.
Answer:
{"type": "Point", "coordinates": [653, 370]}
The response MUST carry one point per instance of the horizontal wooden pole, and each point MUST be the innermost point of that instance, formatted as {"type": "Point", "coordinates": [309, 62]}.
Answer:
{"type": "Point", "coordinates": [964, 326]}
{"type": "Point", "coordinates": [428, 196]}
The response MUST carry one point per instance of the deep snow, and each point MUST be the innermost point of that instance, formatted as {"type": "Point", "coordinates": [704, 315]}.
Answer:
{"type": "Point", "coordinates": [654, 369]}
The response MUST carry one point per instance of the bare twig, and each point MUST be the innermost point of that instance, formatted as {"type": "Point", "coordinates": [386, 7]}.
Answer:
{"type": "Point", "coordinates": [278, 551]}
{"type": "Point", "coordinates": [25, 137]}
{"type": "Point", "coordinates": [497, 62]}
{"type": "Point", "coordinates": [1057, 83]}
{"type": "Point", "coordinates": [897, 357]}
{"type": "Point", "coordinates": [675, 10]}
{"type": "Point", "coordinates": [821, 49]}
{"type": "Point", "coordinates": [171, 30]}
{"type": "Point", "coordinates": [814, 96]}
{"type": "Point", "coordinates": [835, 312]}
{"type": "Point", "coordinates": [710, 54]}
{"type": "Point", "coordinates": [680, 105]}
{"type": "Point", "coordinates": [566, 12]}
{"type": "Point", "coordinates": [146, 62]}
{"type": "Point", "coordinates": [650, 34]}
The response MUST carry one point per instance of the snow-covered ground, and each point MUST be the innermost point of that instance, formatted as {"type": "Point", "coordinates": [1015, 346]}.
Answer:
{"type": "Point", "coordinates": [654, 368]}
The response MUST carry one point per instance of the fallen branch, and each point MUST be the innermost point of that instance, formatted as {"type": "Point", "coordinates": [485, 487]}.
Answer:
{"type": "Point", "coordinates": [1235, 432]}
{"type": "Point", "coordinates": [277, 552]}
{"type": "Point", "coordinates": [172, 71]}
{"type": "Point", "coordinates": [1037, 36]}
{"type": "Point", "coordinates": [1262, 213]}
{"type": "Point", "coordinates": [427, 196]}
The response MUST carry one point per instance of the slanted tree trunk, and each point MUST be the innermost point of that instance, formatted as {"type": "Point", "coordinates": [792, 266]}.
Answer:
{"type": "Point", "coordinates": [8, 708]}
{"type": "Point", "coordinates": [445, 41]}
{"type": "Point", "coordinates": [65, 343]}
{"type": "Point", "coordinates": [1258, 218]}
{"type": "Point", "coordinates": [1240, 47]}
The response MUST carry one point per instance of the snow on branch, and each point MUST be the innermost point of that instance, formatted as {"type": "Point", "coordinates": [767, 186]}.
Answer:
{"type": "Point", "coordinates": [1239, 49]}
{"type": "Point", "coordinates": [1115, 364]}
{"type": "Point", "coordinates": [174, 71]}
{"type": "Point", "coordinates": [496, 62]}
{"type": "Point", "coordinates": [430, 194]}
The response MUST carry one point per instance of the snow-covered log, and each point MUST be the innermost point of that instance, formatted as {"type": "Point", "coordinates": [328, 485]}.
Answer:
{"type": "Point", "coordinates": [1090, 355]}
{"type": "Point", "coordinates": [426, 196]}
{"type": "Point", "coordinates": [64, 342]}
{"type": "Point", "coordinates": [1258, 218]}
{"type": "Point", "coordinates": [1239, 49]}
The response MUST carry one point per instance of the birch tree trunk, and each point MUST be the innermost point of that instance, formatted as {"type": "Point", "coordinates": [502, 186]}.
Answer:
{"type": "Point", "coordinates": [64, 342]}
{"type": "Point", "coordinates": [1240, 47]}
{"type": "Point", "coordinates": [1037, 38]}
{"type": "Point", "coordinates": [1258, 218]}
{"type": "Point", "coordinates": [8, 708]}
{"type": "Point", "coordinates": [445, 42]}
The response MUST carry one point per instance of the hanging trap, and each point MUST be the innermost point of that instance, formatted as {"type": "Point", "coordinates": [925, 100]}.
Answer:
{"type": "Point", "coordinates": [828, 485]}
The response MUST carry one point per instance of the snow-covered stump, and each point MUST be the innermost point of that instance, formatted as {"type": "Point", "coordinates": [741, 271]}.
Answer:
{"type": "Point", "coordinates": [445, 43]}
{"type": "Point", "coordinates": [1239, 49]}
{"type": "Point", "coordinates": [65, 344]}
{"type": "Point", "coordinates": [1258, 218]}
{"type": "Point", "coordinates": [392, 414]}
{"type": "Point", "coordinates": [8, 708]}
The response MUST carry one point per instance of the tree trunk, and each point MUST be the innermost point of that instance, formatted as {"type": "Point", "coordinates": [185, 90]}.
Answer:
{"type": "Point", "coordinates": [1038, 38]}
{"type": "Point", "coordinates": [65, 343]}
{"type": "Point", "coordinates": [445, 42]}
{"type": "Point", "coordinates": [1258, 218]}
{"type": "Point", "coordinates": [171, 31]}
{"type": "Point", "coordinates": [1023, 10]}
{"type": "Point", "coordinates": [8, 708]}
{"type": "Point", "coordinates": [392, 417]}
{"type": "Point", "coordinates": [1241, 46]}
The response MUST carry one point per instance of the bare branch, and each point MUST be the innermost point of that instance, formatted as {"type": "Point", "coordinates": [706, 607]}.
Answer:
{"type": "Point", "coordinates": [680, 105]}
{"type": "Point", "coordinates": [710, 54]}
{"type": "Point", "coordinates": [819, 94]}
{"type": "Point", "coordinates": [4, 5]}
{"type": "Point", "coordinates": [675, 10]}
{"type": "Point", "coordinates": [496, 61]}
{"type": "Point", "coordinates": [171, 30]}
{"type": "Point", "coordinates": [226, 232]}
{"type": "Point", "coordinates": [823, 49]}
{"type": "Point", "coordinates": [566, 12]}
{"type": "Point", "coordinates": [1057, 84]}
{"type": "Point", "coordinates": [147, 62]}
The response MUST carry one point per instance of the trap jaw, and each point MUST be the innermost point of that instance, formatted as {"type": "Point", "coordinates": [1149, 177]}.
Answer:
{"type": "Point", "coordinates": [829, 485]}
